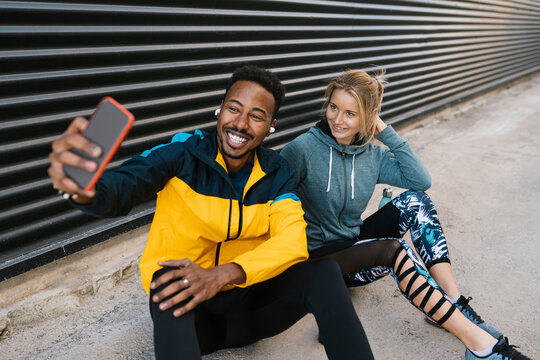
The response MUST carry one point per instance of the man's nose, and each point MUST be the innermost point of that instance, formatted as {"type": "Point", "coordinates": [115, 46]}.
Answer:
{"type": "Point", "coordinates": [241, 121]}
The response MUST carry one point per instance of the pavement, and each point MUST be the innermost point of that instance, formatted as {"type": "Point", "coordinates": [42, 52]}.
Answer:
{"type": "Point", "coordinates": [484, 157]}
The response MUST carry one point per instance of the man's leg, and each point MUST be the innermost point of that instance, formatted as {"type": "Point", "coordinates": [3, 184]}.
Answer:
{"type": "Point", "coordinates": [316, 287]}
{"type": "Point", "coordinates": [201, 331]}
{"type": "Point", "coordinates": [244, 315]}
{"type": "Point", "coordinates": [174, 338]}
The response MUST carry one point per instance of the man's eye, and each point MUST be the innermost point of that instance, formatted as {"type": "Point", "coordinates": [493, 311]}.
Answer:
{"type": "Point", "coordinates": [256, 117]}
{"type": "Point", "coordinates": [233, 109]}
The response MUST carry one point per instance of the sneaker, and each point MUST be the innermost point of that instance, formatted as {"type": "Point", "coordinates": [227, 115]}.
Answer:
{"type": "Point", "coordinates": [501, 351]}
{"type": "Point", "coordinates": [463, 305]}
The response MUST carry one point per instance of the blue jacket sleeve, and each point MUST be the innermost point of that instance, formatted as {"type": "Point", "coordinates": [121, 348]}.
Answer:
{"type": "Point", "coordinates": [134, 181]}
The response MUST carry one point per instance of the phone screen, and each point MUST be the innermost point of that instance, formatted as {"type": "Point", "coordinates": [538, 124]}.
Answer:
{"type": "Point", "coordinates": [107, 128]}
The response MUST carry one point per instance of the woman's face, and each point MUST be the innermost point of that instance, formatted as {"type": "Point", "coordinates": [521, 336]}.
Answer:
{"type": "Point", "coordinates": [343, 114]}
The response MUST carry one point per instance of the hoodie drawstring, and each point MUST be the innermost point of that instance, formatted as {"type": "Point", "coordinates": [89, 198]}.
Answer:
{"type": "Point", "coordinates": [352, 177]}
{"type": "Point", "coordinates": [329, 171]}
{"type": "Point", "coordinates": [330, 174]}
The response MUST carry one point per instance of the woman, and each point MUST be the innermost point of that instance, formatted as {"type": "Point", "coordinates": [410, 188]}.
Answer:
{"type": "Point", "coordinates": [337, 168]}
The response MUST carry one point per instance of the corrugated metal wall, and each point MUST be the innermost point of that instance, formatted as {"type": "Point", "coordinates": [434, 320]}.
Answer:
{"type": "Point", "coordinates": [168, 61]}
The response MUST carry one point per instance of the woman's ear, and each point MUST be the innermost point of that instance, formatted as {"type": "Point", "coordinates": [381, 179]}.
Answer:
{"type": "Point", "coordinates": [375, 113]}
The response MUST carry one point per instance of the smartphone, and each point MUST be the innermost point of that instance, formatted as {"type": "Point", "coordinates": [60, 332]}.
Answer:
{"type": "Point", "coordinates": [107, 127]}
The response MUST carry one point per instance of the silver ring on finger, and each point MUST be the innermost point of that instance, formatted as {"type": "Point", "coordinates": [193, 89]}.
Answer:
{"type": "Point", "coordinates": [186, 283]}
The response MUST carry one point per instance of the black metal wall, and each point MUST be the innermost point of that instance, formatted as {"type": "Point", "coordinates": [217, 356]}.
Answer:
{"type": "Point", "coordinates": [168, 61]}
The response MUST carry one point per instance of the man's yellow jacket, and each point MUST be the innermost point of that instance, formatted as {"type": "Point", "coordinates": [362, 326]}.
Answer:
{"type": "Point", "coordinates": [198, 216]}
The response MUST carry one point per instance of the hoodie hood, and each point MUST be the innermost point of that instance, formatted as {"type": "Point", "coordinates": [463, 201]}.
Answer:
{"type": "Point", "coordinates": [349, 149]}
{"type": "Point", "coordinates": [322, 132]}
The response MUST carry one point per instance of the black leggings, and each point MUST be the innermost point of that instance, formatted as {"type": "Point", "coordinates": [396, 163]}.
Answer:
{"type": "Point", "coordinates": [241, 316]}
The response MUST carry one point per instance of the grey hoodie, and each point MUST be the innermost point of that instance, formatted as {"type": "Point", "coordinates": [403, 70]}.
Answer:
{"type": "Point", "coordinates": [335, 182]}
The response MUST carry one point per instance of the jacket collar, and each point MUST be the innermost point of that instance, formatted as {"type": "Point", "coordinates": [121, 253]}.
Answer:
{"type": "Point", "coordinates": [206, 149]}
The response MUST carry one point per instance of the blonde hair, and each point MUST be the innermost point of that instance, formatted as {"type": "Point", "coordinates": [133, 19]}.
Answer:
{"type": "Point", "coordinates": [367, 90]}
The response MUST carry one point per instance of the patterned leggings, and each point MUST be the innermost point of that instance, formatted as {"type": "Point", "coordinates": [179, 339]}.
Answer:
{"type": "Point", "coordinates": [379, 250]}
{"type": "Point", "coordinates": [376, 251]}
{"type": "Point", "coordinates": [414, 211]}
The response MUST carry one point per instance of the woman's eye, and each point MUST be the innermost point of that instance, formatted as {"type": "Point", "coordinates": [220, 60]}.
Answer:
{"type": "Point", "coordinates": [333, 107]}
{"type": "Point", "coordinates": [350, 114]}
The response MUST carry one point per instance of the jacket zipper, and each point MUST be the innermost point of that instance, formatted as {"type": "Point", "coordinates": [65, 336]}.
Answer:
{"type": "Point", "coordinates": [240, 206]}
{"type": "Point", "coordinates": [218, 248]}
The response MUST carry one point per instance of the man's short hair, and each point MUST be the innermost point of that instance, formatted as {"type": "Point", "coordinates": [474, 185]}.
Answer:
{"type": "Point", "coordinates": [265, 78]}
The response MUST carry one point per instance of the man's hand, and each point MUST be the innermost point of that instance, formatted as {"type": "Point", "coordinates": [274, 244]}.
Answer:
{"type": "Point", "coordinates": [203, 284]}
{"type": "Point", "coordinates": [61, 154]}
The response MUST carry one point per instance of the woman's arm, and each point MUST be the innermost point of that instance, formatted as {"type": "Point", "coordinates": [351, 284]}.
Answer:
{"type": "Point", "coordinates": [400, 165]}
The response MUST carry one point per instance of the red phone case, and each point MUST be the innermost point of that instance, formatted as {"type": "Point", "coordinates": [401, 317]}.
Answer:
{"type": "Point", "coordinates": [111, 129]}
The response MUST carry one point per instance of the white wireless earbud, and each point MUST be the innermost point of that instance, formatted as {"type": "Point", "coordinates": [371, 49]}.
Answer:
{"type": "Point", "coordinates": [272, 130]}
{"type": "Point", "coordinates": [218, 110]}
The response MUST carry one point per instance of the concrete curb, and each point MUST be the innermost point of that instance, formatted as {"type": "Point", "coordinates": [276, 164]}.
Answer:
{"type": "Point", "coordinates": [60, 287]}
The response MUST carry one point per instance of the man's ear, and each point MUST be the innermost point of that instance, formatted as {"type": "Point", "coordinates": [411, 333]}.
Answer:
{"type": "Point", "coordinates": [272, 128]}
{"type": "Point", "coordinates": [218, 110]}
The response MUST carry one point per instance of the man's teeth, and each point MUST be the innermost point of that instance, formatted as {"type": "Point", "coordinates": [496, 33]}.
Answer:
{"type": "Point", "coordinates": [237, 139]}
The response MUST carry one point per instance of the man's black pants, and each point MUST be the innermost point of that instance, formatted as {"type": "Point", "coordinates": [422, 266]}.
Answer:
{"type": "Point", "coordinates": [244, 315]}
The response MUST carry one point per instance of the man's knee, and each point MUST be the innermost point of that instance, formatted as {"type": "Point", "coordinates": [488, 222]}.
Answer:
{"type": "Point", "coordinates": [154, 306]}
{"type": "Point", "coordinates": [325, 278]}
{"type": "Point", "coordinates": [325, 269]}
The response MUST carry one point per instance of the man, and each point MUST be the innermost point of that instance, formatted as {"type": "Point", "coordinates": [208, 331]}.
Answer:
{"type": "Point", "coordinates": [224, 262]}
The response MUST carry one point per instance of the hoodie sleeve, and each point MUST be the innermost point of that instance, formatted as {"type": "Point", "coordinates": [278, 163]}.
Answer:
{"type": "Point", "coordinates": [133, 182]}
{"type": "Point", "coordinates": [295, 156]}
{"type": "Point", "coordinates": [400, 165]}
{"type": "Point", "coordinates": [287, 243]}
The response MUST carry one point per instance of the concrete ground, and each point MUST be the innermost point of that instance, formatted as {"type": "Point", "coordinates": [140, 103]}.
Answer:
{"type": "Point", "coordinates": [484, 156]}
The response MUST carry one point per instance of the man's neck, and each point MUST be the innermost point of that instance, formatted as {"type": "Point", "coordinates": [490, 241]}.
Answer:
{"type": "Point", "coordinates": [235, 165]}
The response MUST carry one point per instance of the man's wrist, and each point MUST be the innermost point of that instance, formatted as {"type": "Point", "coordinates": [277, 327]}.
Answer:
{"type": "Point", "coordinates": [82, 200]}
{"type": "Point", "coordinates": [231, 273]}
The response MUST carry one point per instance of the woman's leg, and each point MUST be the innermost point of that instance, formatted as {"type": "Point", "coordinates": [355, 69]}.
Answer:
{"type": "Point", "coordinates": [418, 215]}
{"type": "Point", "coordinates": [415, 284]}
{"type": "Point", "coordinates": [443, 275]}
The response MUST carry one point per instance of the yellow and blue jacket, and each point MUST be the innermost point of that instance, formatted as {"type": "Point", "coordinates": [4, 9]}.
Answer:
{"type": "Point", "coordinates": [198, 215]}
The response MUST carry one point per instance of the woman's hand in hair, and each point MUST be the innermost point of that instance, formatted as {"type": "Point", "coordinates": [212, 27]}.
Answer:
{"type": "Point", "coordinates": [380, 126]}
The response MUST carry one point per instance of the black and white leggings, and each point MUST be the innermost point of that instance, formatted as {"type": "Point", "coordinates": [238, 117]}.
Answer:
{"type": "Point", "coordinates": [379, 250]}
{"type": "Point", "coordinates": [411, 210]}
